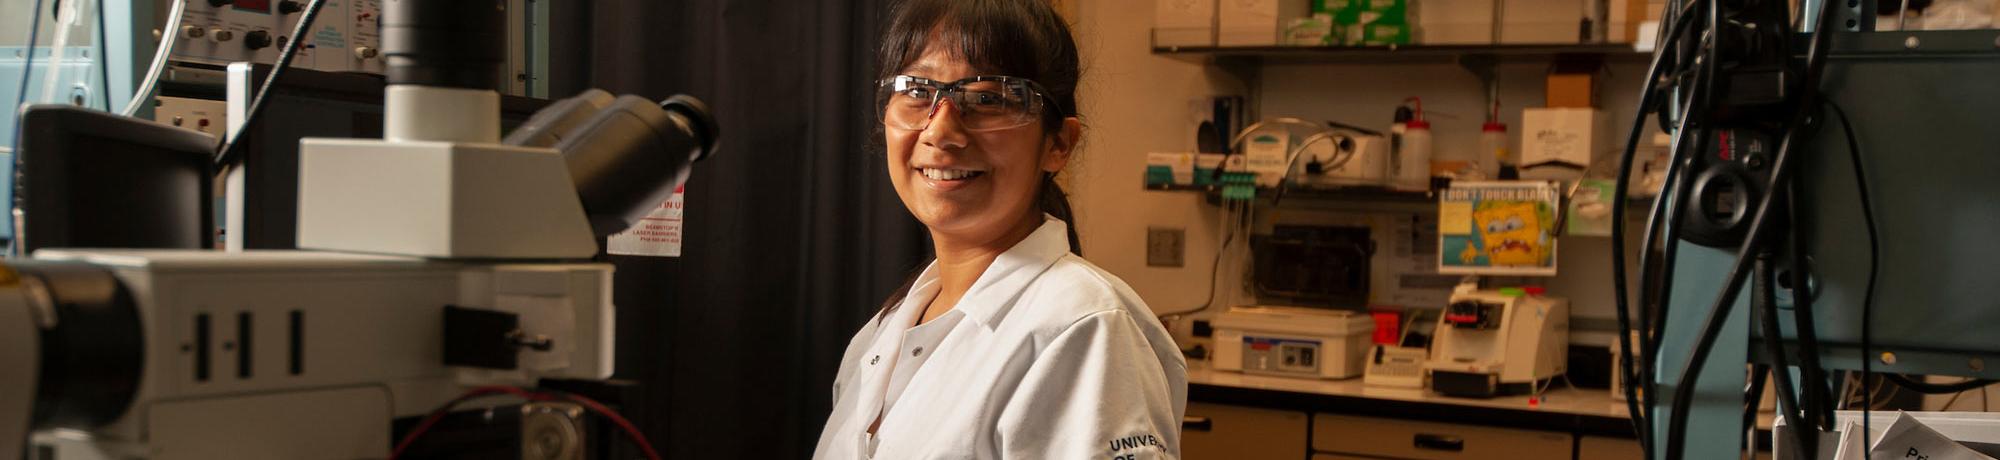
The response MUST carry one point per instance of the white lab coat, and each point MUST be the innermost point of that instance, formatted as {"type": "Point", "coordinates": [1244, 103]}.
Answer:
{"type": "Point", "coordinates": [1046, 357]}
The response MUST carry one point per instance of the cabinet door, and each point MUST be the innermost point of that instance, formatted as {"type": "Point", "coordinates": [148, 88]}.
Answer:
{"type": "Point", "coordinates": [1325, 456]}
{"type": "Point", "coordinates": [1395, 438]}
{"type": "Point", "coordinates": [1221, 432]}
{"type": "Point", "coordinates": [1601, 448]}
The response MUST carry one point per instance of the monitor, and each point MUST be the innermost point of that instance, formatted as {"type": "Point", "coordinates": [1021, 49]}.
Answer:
{"type": "Point", "coordinates": [91, 179]}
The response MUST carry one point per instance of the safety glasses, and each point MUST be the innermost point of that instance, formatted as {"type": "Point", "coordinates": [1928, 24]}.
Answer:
{"type": "Point", "coordinates": [984, 103]}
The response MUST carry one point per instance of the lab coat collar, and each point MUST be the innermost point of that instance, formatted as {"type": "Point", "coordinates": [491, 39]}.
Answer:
{"type": "Point", "coordinates": [992, 296]}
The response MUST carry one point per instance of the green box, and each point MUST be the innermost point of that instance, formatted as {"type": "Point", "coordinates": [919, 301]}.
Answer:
{"type": "Point", "coordinates": [1385, 34]}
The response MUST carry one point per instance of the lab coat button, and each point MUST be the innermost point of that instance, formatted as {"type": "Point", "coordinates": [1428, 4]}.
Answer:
{"type": "Point", "coordinates": [876, 359]}
{"type": "Point", "coordinates": [918, 351]}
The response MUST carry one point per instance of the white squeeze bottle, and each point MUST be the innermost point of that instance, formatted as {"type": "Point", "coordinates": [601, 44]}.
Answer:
{"type": "Point", "coordinates": [1415, 174]}
{"type": "Point", "coordinates": [1493, 160]}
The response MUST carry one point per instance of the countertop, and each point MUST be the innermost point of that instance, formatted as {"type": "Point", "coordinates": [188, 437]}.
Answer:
{"type": "Point", "coordinates": [1590, 411]}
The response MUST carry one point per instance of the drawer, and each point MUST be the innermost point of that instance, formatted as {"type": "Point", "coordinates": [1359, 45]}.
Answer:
{"type": "Point", "coordinates": [1601, 448]}
{"type": "Point", "coordinates": [1217, 431]}
{"type": "Point", "coordinates": [1385, 437]}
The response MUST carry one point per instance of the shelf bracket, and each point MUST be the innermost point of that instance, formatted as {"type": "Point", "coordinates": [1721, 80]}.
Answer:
{"type": "Point", "coordinates": [1482, 65]}
{"type": "Point", "coordinates": [1248, 73]}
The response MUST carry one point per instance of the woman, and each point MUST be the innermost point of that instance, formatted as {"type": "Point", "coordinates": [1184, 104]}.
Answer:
{"type": "Point", "coordinates": [1009, 345]}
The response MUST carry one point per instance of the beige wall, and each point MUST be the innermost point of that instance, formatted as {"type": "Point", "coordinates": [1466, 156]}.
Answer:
{"type": "Point", "coordinates": [1134, 102]}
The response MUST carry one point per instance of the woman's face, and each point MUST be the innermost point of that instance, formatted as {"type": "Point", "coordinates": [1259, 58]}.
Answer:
{"type": "Point", "coordinates": [971, 186]}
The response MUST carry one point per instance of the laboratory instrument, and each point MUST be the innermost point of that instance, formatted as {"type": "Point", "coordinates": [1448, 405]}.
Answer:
{"type": "Point", "coordinates": [439, 259]}
{"type": "Point", "coordinates": [1342, 157]}
{"type": "Point", "coordinates": [1292, 341]}
{"type": "Point", "coordinates": [1493, 342]}
{"type": "Point", "coordinates": [1780, 181]}
{"type": "Point", "coordinates": [1394, 366]}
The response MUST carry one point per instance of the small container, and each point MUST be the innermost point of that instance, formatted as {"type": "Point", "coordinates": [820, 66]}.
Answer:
{"type": "Point", "coordinates": [1493, 158]}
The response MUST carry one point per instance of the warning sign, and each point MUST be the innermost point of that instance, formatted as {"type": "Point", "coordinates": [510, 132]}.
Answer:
{"type": "Point", "coordinates": [657, 235]}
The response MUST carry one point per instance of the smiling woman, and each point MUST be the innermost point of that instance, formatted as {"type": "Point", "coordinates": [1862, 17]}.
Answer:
{"type": "Point", "coordinates": [1009, 345]}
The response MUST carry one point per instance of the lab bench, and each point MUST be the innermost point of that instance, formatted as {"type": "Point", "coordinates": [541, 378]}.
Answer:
{"type": "Point", "coordinates": [1241, 416]}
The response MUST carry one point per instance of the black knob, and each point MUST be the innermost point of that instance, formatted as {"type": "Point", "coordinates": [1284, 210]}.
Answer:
{"type": "Point", "coordinates": [220, 3]}
{"type": "Point", "coordinates": [256, 40]}
{"type": "Point", "coordinates": [290, 7]}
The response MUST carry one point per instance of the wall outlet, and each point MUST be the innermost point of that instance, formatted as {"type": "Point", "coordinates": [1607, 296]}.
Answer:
{"type": "Point", "coordinates": [1164, 246]}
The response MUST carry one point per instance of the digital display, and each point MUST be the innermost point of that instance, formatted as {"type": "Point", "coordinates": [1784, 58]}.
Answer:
{"type": "Point", "coordinates": [261, 6]}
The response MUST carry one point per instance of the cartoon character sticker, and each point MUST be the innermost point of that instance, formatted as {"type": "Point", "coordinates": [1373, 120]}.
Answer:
{"type": "Point", "coordinates": [1512, 233]}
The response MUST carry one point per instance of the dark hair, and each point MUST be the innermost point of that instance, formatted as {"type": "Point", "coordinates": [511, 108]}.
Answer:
{"type": "Point", "coordinates": [1017, 38]}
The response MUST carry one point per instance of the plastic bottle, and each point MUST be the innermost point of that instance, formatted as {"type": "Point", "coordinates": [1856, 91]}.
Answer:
{"type": "Point", "coordinates": [1493, 159]}
{"type": "Point", "coordinates": [1396, 130]}
{"type": "Point", "coordinates": [1415, 155]}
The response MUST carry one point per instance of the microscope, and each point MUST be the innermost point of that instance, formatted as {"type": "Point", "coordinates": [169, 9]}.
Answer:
{"type": "Point", "coordinates": [437, 259]}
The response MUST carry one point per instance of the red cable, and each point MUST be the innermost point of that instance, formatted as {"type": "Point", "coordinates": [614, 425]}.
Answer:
{"type": "Point", "coordinates": [631, 431]}
{"type": "Point", "coordinates": [437, 415]}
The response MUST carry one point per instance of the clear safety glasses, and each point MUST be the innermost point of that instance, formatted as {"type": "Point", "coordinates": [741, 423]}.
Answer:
{"type": "Point", "coordinates": [984, 103]}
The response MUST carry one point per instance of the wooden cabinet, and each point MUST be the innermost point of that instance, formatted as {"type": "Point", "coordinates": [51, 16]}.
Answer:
{"type": "Point", "coordinates": [1405, 439]}
{"type": "Point", "coordinates": [1601, 448]}
{"type": "Point", "coordinates": [1224, 432]}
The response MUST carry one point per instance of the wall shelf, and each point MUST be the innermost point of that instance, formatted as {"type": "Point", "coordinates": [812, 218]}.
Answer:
{"type": "Point", "coordinates": [1394, 54]}
{"type": "Point", "coordinates": [1355, 197]}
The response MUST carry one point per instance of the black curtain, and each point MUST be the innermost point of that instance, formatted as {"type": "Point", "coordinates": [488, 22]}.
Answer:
{"type": "Point", "coordinates": [793, 234]}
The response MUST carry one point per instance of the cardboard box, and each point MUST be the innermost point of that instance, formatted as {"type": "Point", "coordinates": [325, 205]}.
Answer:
{"type": "Point", "coordinates": [1264, 155]}
{"type": "Point", "coordinates": [1561, 143]}
{"type": "Point", "coordinates": [1456, 22]}
{"type": "Point", "coordinates": [1528, 22]}
{"type": "Point", "coordinates": [1184, 23]}
{"type": "Point", "coordinates": [1256, 22]}
{"type": "Point", "coordinates": [1625, 17]}
{"type": "Point", "coordinates": [1163, 168]}
{"type": "Point", "coordinates": [1573, 84]}
{"type": "Point", "coordinates": [1376, 22]}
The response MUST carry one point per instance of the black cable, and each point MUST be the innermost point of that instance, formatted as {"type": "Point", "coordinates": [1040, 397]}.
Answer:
{"type": "Point", "coordinates": [1214, 268]}
{"type": "Point", "coordinates": [1641, 426]}
{"type": "Point", "coordinates": [1764, 298]}
{"type": "Point", "coordinates": [1691, 142]}
{"type": "Point", "coordinates": [27, 70]}
{"type": "Point", "coordinates": [229, 153]}
{"type": "Point", "coordinates": [1874, 257]}
{"type": "Point", "coordinates": [1817, 399]}
{"type": "Point", "coordinates": [103, 60]}
{"type": "Point", "coordinates": [1682, 161]}
{"type": "Point", "coordinates": [1753, 396]}
{"type": "Point", "coordinates": [1937, 388]}
{"type": "Point", "coordinates": [1733, 285]}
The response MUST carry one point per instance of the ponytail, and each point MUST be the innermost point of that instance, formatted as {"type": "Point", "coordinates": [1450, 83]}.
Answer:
{"type": "Point", "coordinates": [1054, 202]}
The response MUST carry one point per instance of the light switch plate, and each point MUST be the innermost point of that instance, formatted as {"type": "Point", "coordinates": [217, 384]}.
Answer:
{"type": "Point", "coordinates": [1164, 246]}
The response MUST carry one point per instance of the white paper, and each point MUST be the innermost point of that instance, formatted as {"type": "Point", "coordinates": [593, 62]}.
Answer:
{"type": "Point", "coordinates": [657, 235]}
{"type": "Point", "coordinates": [1850, 441]}
{"type": "Point", "coordinates": [1908, 438]}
